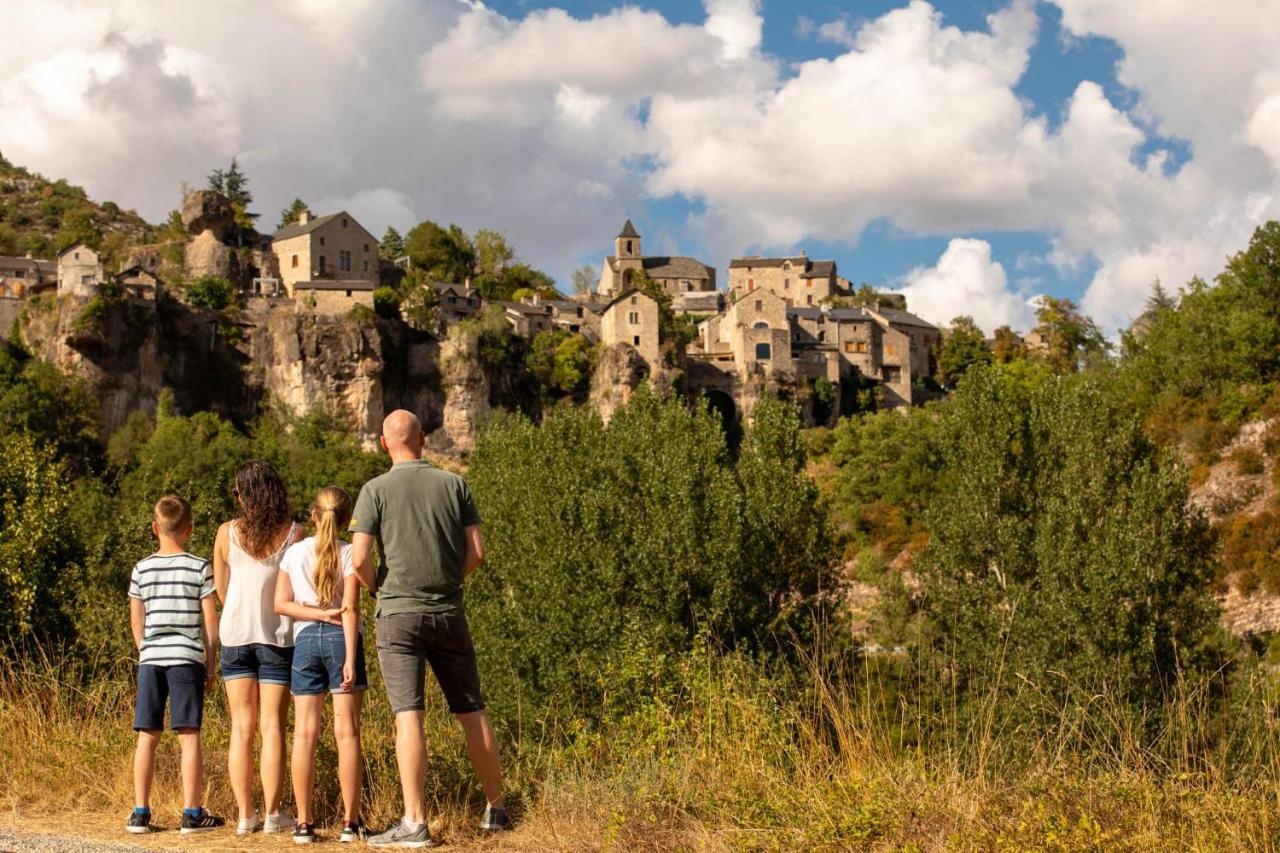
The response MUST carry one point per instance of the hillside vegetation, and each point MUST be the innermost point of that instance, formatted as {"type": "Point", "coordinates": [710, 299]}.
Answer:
{"type": "Point", "coordinates": [42, 217]}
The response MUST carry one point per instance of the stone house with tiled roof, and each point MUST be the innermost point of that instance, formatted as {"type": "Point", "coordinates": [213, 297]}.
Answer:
{"type": "Point", "coordinates": [456, 301]}
{"type": "Point", "coordinates": [79, 270]}
{"type": "Point", "coordinates": [334, 247]}
{"type": "Point", "coordinates": [676, 275]}
{"type": "Point", "coordinates": [22, 276]}
{"type": "Point", "coordinates": [631, 318]}
{"type": "Point", "coordinates": [798, 280]}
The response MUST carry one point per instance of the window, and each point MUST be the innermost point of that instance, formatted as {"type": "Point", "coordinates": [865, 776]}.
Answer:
{"type": "Point", "coordinates": [344, 225]}
{"type": "Point", "coordinates": [636, 340]}
{"type": "Point", "coordinates": [822, 337]}
{"type": "Point", "coordinates": [759, 304]}
{"type": "Point", "coordinates": [294, 263]}
{"type": "Point", "coordinates": [86, 279]}
{"type": "Point", "coordinates": [808, 299]}
{"type": "Point", "coordinates": [321, 241]}
{"type": "Point", "coordinates": [628, 247]}
{"type": "Point", "coordinates": [860, 347]}
{"type": "Point", "coordinates": [635, 301]}
{"type": "Point", "coordinates": [751, 284]}
{"type": "Point", "coordinates": [322, 263]}
{"type": "Point", "coordinates": [366, 266]}
{"type": "Point", "coordinates": [893, 374]}
{"type": "Point", "coordinates": [634, 318]}
{"type": "Point", "coordinates": [763, 352]}
{"type": "Point", "coordinates": [75, 255]}
{"type": "Point", "coordinates": [761, 325]}
{"type": "Point", "coordinates": [822, 318]}
{"type": "Point", "coordinates": [786, 284]}
{"type": "Point", "coordinates": [348, 293]}
{"type": "Point", "coordinates": [574, 328]}
{"type": "Point", "coordinates": [890, 349]}
{"type": "Point", "coordinates": [452, 300]}
{"type": "Point", "coordinates": [366, 247]}
{"type": "Point", "coordinates": [809, 283]}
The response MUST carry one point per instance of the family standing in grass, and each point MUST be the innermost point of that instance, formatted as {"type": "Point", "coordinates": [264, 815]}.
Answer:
{"type": "Point", "coordinates": [290, 626]}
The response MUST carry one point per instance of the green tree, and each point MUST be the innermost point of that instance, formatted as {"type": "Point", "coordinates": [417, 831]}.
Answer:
{"type": "Point", "coordinates": [1068, 339]}
{"type": "Point", "coordinates": [386, 303]}
{"type": "Point", "coordinates": [963, 348]}
{"type": "Point", "coordinates": [493, 253]}
{"type": "Point", "coordinates": [51, 406]}
{"type": "Point", "coordinates": [1007, 346]}
{"type": "Point", "coordinates": [290, 214]}
{"type": "Point", "coordinates": [392, 246]}
{"type": "Point", "coordinates": [560, 362]}
{"type": "Point", "coordinates": [868, 296]}
{"type": "Point", "coordinates": [444, 254]}
{"type": "Point", "coordinates": [1062, 563]}
{"type": "Point", "coordinates": [77, 226]}
{"type": "Point", "coordinates": [232, 183]}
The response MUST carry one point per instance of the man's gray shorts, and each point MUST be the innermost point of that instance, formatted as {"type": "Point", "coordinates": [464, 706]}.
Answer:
{"type": "Point", "coordinates": [408, 642]}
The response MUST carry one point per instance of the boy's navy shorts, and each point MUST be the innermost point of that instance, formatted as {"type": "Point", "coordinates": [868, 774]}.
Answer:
{"type": "Point", "coordinates": [182, 685]}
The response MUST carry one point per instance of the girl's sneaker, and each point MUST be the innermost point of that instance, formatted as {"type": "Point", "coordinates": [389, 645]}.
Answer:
{"type": "Point", "coordinates": [278, 822]}
{"type": "Point", "coordinates": [249, 825]}
{"type": "Point", "coordinates": [304, 833]}
{"type": "Point", "coordinates": [139, 823]}
{"type": "Point", "coordinates": [354, 830]}
{"type": "Point", "coordinates": [495, 820]}
{"type": "Point", "coordinates": [204, 823]}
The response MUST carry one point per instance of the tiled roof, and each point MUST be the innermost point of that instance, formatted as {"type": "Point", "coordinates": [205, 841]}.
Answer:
{"type": "Point", "coordinates": [820, 269]}
{"type": "Point", "coordinates": [629, 230]}
{"type": "Point", "coordinates": [297, 229]}
{"type": "Point", "coordinates": [812, 269]}
{"type": "Point", "coordinates": [525, 308]}
{"type": "Point", "coordinates": [848, 314]}
{"type": "Point", "coordinates": [9, 262]}
{"type": "Point", "coordinates": [660, 266]}
{"type": "Point", "coordinates": [905, 318]}
{"type": "Point", "coordinates": [805, 312]}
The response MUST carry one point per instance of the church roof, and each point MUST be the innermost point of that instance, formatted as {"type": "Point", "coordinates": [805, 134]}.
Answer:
{"type": "Point", "coordinates": [629, 230]}
{"type": "Point", "coordinates": [663, 266]}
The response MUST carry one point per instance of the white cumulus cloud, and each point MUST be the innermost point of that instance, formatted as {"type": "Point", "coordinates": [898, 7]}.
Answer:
{"type": "Point", "coordinates": [967, 281]}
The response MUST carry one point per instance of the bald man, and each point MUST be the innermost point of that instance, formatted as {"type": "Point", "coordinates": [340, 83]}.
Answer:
{"type": "Point", "coordinates": [428, 533]}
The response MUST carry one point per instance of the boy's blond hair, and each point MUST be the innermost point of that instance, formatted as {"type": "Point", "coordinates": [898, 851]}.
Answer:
{"type": "Point", "coordinates": [173, 515]}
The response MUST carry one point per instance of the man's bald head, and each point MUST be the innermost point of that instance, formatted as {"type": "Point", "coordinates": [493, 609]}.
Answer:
{"type": "Point", "coordinates": [402, 433]}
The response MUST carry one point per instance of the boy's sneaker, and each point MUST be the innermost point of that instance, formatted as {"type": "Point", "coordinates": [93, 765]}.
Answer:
{"type": "Point", "coordinates": [401, 836]}
{"type": "Point", "coordinates": [139, 823]}
{"type": "Point", "coordinates": [495, 820]}
{"type": "Point", "coordinates": [354, 830]}
{"type": "Point", "coordinates": [204, 823]}
{"type": "Point", "coordinates": [249, 825]}
{"type": "Point", "coordinates": [278, 822]}
{"type": "Point", "coordinates": [304, 833]}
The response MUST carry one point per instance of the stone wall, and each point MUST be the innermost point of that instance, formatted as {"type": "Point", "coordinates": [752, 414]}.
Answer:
{"type": "Point", "coordinates": [783, 280]}
{"type": "Point", "coordinates": [633, 321]}
{"type": "Point", "coordinates": [333, 302]}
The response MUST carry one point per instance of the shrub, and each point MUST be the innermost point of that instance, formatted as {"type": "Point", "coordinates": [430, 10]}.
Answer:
{"type": "Point", "coordinates": [1062, 560]}
{"type": "Point", "coordinates": [211, 291]}
{"type": "Point", "coordinates": [386, 303]}
{"type": "Point", "coordinates": [642, 532]}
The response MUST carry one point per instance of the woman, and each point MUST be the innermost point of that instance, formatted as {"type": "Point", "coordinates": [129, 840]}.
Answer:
{"type": "Point", "coordinates": [257, 643]}
{"type": "Point", "coordinates": [318, 588]}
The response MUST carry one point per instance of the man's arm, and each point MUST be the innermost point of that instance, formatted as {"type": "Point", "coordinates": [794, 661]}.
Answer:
{"type": "Point", "coordinates": [137, 620]}
{"type": "Point", "coordinates": [475, 550]}
{"type": "Point", "coordinates": [362, 560]}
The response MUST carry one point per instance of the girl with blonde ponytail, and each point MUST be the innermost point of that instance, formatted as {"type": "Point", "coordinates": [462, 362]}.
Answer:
{"type": "Point", "coordinates": [317, 587]}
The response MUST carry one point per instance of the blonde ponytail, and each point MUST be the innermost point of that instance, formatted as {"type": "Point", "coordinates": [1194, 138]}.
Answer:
{"type": "Point", "coordinates": [332, 512]}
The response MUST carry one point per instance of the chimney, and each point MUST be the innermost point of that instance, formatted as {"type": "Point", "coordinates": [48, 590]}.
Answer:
{"type": "Point", "coordinates": [304, 217]}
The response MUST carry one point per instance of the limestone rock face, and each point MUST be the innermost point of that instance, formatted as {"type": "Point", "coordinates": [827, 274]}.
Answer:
{"type": "Point", "coordinates": [619, 372]}
{"type": "Point", "coordinates": [118, 358]}
{"type": "Point", "coordinates": [207, 255]}
{"type": "Point", "coordinates": [466, 390]}
{"type": "Point", "coordinates": [207, 210]}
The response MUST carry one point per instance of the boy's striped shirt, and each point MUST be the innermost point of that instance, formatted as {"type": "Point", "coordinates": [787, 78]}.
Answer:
{"type": "Point", "coordinates": [171, 587]}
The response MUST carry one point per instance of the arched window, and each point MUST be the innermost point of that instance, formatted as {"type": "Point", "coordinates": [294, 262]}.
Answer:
{"type": "Point", "coordinates": [763, 352]}
{"type": "Point", "coordinates": [822, 337]}
{"type": "Point", "coordinates": [628, 247]}
{"type": "Point", "coordinates": [761, 325]}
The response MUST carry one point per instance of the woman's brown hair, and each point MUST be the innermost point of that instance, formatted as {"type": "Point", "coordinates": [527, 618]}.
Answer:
{"type": "Point", "coordinates": [332, 512]}
{"type": "Point", "coordinates": [264, 508]}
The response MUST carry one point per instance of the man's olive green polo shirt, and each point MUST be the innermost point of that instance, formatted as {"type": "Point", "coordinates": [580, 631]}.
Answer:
{"type": "Point", "coordinates": [417, 514]}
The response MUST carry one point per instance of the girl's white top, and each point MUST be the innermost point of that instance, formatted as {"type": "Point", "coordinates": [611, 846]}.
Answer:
{"type": "Point", "coordinates": [248, 614]}
{"type": "Point", "coordinates": [299, 564]}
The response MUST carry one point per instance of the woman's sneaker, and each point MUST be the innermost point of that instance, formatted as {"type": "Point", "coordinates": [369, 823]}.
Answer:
{"type": "Point", "coordinates": [139, 823]}
{"type": "Point", "coordinates": [204, 823]}
{"type": "Point", "coordinates": [495, 820]}
{"type": "Point", "coordinates": [278, 822]}
{"type": "Point", "coordinates": [304, 833]}
{"type": "Point", "coordinates": [249, 825]}
{"type": "Point", "coordinates": [354, 830]}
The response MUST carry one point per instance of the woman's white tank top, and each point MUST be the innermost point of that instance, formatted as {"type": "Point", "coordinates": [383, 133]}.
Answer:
{"type": "Point", "coordinates": [249, 615]}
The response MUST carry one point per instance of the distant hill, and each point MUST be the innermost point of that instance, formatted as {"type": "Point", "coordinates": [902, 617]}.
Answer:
{"type": "Point", "coordinates": [42, 217]}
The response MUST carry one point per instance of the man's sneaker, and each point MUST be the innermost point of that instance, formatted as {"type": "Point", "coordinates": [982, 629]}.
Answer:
{"type": "Point", "coordinates": [139, 823]}
{"type": "Point", "coordinates": [354, 830]}
{"type": "Point", "coordinates": [204, 823]}
{"type": "Point", "coordinates": [400, 836]}
{"type": "Point", "coordinates": [249, 825]}
{"type": "Point", "coordinates": [304, 833]}
{"type": "Point", "coordinates": [278, 822]}
{"type": "Point", "coordinates": [495, 820]}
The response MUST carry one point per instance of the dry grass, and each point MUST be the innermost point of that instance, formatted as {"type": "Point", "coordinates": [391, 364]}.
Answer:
{"type": "Point", "coordinates": [737, 760]}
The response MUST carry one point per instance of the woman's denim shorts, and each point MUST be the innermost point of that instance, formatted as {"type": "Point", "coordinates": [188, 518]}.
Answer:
{"type": "Point", "coordinates": [319, 651]}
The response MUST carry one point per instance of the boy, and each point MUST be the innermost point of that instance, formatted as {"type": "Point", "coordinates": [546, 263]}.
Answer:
{"type": "Point", "coordinates": [172, 614]}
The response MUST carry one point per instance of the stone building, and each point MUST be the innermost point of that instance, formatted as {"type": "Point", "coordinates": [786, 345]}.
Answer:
{"type": "Point", "coordinates": [528, 319]}
{"type": "Point", "coordinates": [578, 318]}
{"type": "Point", "coordinates": [456, 302]}
{"type": "Point", "coordinates": [138, 282]}
{"type": "Point", "coordinates": [754, 330]}
{"type": "Point", "coordinates": [20, 277]}
{"type": "Point", "coordinates": [334, 296]}
{"type": "Point", "coordinates": [79, 270]}
{"type": "Point", "coordinates": [798, 280]}
{"type": "Point", "coordinates": [325, 248]}
{"type": "Point", "coordinates": [676, 275]}
{"type": "Point", "coordinates": [632, 319]}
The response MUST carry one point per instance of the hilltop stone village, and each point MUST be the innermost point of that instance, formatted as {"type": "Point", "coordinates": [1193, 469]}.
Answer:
{"type": "Point", "coordinates": [782, 324]}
